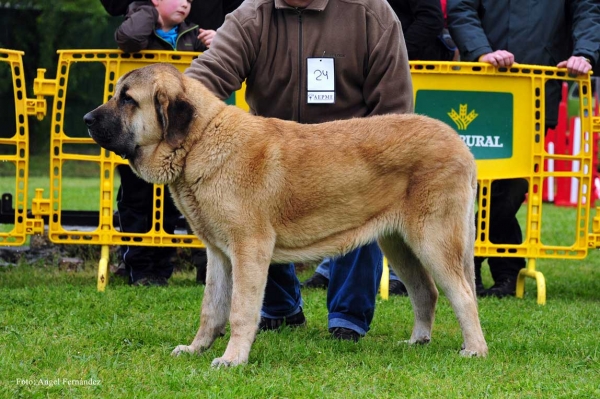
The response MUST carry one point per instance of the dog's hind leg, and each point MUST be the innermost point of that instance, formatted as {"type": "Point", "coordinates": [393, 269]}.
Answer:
{"type": "Point", "coordinates": [421, 289]}
{"type": "Point", "coordinates": [215, 304]}
{"type": "Point", "coordinates": [445, 253]}
{"type": "Point", "coordinates": [250, 265]}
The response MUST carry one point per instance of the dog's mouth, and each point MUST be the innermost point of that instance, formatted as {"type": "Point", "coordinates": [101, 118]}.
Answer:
{"type": "Point", "coordinates": [109, 136]}
{"type": "Point", "coordinates": [130, 155]}
{"type": "Point", "coordinates": [110, 142]}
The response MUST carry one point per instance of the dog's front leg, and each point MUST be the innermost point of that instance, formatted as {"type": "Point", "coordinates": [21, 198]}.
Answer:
{"type": "Point", "coordinates": [250, 266]}
{"type": "Point", "coordinates": [215, 305]}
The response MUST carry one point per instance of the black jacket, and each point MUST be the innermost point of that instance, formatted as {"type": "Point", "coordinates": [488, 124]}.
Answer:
{"type": "Point", "coordinates": [536, 32]}
{"type": "Point", "coordinates": [208, 14]}
{"type": "Point", "coordinates": [422, 24]}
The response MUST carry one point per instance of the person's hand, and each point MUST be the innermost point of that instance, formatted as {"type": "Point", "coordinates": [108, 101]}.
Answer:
{"type": "Point", "coordinates": [499, 58]}
{"type": "Point", "coordinates": [206, 36]}
{"type": "Point", "coordinates": [576, 65]}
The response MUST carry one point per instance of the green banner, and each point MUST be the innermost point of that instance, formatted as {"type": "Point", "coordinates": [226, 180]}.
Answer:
{"type": "Point", "coordinates": [483, 120]}
{"type": "Point", "coordinates": [231, 99]}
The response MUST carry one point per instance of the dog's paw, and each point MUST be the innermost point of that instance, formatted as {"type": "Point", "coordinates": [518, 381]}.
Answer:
{"type": "Point", "coordinates": [469, 353]}
{"type": "Point", "coordinates": [222, 362]}
{"type": "Point", "coordinates": [417, 341]}
{"type": "Point", "coordinates": [182, 349]}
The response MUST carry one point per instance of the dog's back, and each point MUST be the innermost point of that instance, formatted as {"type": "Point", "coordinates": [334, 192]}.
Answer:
{"type": "Point", "coordinates": [337, 185]}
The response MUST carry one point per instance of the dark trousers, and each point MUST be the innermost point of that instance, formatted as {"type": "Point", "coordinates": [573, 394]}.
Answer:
{"type": "Point", "coordinates": [134, 201]}
{"type": "Point", "coordinates": [353, 284]}
{"type": "Point", "coordinates": [506, 198]}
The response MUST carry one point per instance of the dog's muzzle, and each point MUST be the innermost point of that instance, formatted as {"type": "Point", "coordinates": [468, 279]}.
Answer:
{"type": "Point", "coordinates": [89, 121]}
{"type": "Point", "coordinates": [92, 124]}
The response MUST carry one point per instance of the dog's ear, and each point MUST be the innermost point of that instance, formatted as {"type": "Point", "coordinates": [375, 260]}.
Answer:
{"type": "Point", "coordinates": [174, 115]}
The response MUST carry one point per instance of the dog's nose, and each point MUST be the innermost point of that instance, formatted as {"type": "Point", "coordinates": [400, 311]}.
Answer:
{"type": "Point", "coordinates": [89, 119]}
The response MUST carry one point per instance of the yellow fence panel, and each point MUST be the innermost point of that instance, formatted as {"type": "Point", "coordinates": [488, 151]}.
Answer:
{"type": "Point", "coordinates": [594, 241]}
{"type": "Point", "coordinates": [14, 157]}
{"type": "Point", "coordinates": [64, 148]}
{"type": "Point", "coordinates": [69, 148]}
{"type": "Point", "coordinates": [499, 114]}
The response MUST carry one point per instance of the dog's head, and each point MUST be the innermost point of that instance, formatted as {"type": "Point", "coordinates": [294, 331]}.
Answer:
{"type": "Point", "coordinates": [146, 121]}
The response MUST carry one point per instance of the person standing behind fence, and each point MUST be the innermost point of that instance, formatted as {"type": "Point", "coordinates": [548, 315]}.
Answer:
{"type": "Point", "coordinates": [156, 25]}
{"type": "Point", "coordinates": [272, 44]}
{"type": "Point", "coordinates": [423, 28]}
{"type": "Point", "coordinates": [208, 14]}
{"type": "Point", "coordinates": [563, 33]}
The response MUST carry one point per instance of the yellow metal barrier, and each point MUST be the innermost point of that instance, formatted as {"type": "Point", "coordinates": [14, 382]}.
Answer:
{"type": "Point", "coordinates": [499, 113]}
{"type": "Point", "coordinates": [17, 147]}
{"type": "Point", "coordinates": [115, 65]}
{"type": "Point", "coordinates": [594, 241]}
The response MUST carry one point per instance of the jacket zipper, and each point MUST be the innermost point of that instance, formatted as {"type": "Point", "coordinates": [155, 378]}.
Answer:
{"type": "Point", "coordinates": [178, 36]}
{"type": "Point", "coordinates": [183, 33]}
{"type": "Point", "coordinates": [299, 65]}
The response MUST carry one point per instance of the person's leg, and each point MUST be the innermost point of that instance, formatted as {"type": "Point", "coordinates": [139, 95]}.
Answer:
{"type": "Point", "coordinates": [199, 260]}
{"type": "Point", "coordinates": [283, 301]}
{"type": "Point", "coordinates": [507, 197]}
{"type": "Point", "coordinates": [134, 201]}
{"type": "Point", "coordinates": [353, 284]}
{"type": "Point", "coordinates": [320, 278]}
{"type": "Point", "coordinates": [479, 288]}
{"type": "Point", "coordinates": [396, 287]}
{"type": "Point", "coordinates": [323, 268]}
{"type": "Point", "coordinates": [163, 256]}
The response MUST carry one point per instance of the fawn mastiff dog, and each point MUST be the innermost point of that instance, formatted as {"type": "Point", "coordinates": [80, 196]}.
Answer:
{"type": "Point", "coordinates": [260, 190]}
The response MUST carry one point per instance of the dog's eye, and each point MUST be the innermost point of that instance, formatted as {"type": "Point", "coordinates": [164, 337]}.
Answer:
{"type": "Point", "coordinates": [127, 99]}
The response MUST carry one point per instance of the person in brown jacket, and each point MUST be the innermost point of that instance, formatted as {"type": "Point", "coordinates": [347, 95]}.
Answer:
{"type": "Point", "coordinates": [314, 61]}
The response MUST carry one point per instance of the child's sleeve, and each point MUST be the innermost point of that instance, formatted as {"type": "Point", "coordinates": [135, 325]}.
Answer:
{"type": "Point", "coordinates": [134, 33]}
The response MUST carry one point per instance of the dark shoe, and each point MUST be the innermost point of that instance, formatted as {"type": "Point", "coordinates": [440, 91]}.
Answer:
{"type": "Point", "coordinates": [121, 270]}
{"type": "Point", "coordinates": [344, 334]}
{"type": "Point", "coordinates": [317, 280]}
{"type": "Point", "coordinates": [480, 289]}
{"type": "Point", "coordinates": [297, 320]}
{"type": "Point", "coordinates": [397, 288]}
{"type": "Point", "coordinates": [503, 289]}
{"type": "Point", "coordinates": [151, 281]}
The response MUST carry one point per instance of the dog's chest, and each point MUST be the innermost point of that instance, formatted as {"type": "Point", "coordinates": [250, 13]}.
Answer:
{"type": "Point", "coordinates": [199, 212]}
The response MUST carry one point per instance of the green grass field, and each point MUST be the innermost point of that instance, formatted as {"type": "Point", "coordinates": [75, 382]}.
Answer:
{"type": "Point", "coordinates": [55, 329]}
{"type": "Point", "coordinates": [60, 338]}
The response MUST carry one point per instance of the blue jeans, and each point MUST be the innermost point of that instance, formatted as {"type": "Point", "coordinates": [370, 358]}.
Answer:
{"type": "Point", "coordinates": [353, 284]}
{"type": "Point", "coordinates": [323, 270]}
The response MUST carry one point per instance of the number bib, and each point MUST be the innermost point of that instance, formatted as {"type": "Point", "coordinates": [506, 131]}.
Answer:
{"type": "Point", "coordinates": [320, 81]}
